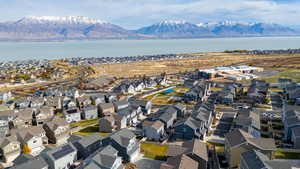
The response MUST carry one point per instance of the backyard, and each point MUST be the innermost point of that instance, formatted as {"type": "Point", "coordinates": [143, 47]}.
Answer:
{"type": "Point", "coordinates": [154, 151]}
{"type": "Point", "coordinates": [164, 97]}
{"type": "Point", "coordinates": [286, 155]}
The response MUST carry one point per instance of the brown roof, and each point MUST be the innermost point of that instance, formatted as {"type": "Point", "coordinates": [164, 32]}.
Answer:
{"type": "Point", "coordinates": [180, 162]}
{"type": "Point", "coordinates": [57, 122]}
{"type": "Point", "coordinates": [105, 106]}
{"type": "Point", "coordinates": [175, 150]}
{"type": "Point", "coordinates": [157, 124]}
{"type": "Point", "coordinates": [197, 147]}
{"type": "Point", "coordinates": [239, 137]}
{"type": "Point", "coordinates": [27, 133]}
{"type": "Point", "coordinates": [263, 143]}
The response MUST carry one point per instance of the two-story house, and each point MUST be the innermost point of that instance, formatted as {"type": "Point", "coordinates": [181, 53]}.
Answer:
{"type": "Point", "coordinates": [125, 143]}
{"type": "Point", "coordinates": [57, 131]}
{"type": "Point", "coordinates": [61, 157]}
{"type": "Point", "coordinates": [9, 149]}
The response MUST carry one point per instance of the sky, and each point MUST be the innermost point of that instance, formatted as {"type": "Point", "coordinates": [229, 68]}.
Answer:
{"type": "Point", "coordinates": [132, 14]}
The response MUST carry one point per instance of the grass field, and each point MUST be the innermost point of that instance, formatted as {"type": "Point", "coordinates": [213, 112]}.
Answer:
{"type": "Point", "coordinates": [289, 73]}
{"type": "Point", "coordinates": [91, 130]}
{"type": "Point", "coordinates": [286, 155]}
{"type": "Point", "coordinates": [154, 151]}
{"type": "Point", "coordinates": [85, 123]}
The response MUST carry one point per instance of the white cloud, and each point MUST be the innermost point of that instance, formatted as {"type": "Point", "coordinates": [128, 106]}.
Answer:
{"type": "Point", "coordinates": [134, 13]}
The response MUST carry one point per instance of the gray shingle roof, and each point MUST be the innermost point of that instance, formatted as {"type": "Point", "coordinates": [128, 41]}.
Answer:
{"type": "Point", "coordinates": [36, 163]}
{"type": "Point", "coordinates": [255, 159]}
{"type": "Point", "coordinates": [123, 137]}
{"type": "Point", "coordinates": [197, 147]}
{"type": "Point", "coordinates": [106, 157]}
{"type": "Point", "coordinates": [88, 140]}
{"type": "Point", "coordinates": [296, 131]}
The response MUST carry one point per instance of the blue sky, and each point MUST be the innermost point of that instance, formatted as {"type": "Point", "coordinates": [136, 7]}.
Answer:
{"type": "Point", "coordinates": [132, 14]}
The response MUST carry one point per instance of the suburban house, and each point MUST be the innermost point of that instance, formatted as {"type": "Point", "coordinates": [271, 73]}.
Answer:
{"type": "Point", "coordinates": [68, 103]}
{"type": "Point", "coordinates": [4, 126]}
{"type": "Point", "coordinates": [42, 115]}
{"type": "Point", "coordinates": [181, 110]}
{"type": "Point", "coordinates": [154, 131]}
{"type": "Point", "coordinates": [197, 92]}
{"type": "Point", "coordinates": [257, 91]}
{"type": "Point", "coordinates": [36, 102]}
{"type": "Point", "coordinates": [239, 141]}
{"type": "Point", "coordinates": [295, 138]}
{"type": "Point", "coordinates": [125, 143]}
{"type": "Point", "coordinates": [87, 145]}
{"type": "Point", "coordinates": [32, 163]}
{"type": "Point", "coordinates": [255, 159]}
{"type": "Point", "coordinates": [32, 138]}
{"type": "Point", "coordinates": [189, 83]}
{"type": "Point", "coordinates": [106, 158]}
{"type": "Point", "coordinates": [57, 131]}
{"type": "Point", "coordinates": [90, 112]}
{"type": "Point", "coordinates": [195, 149]}
{"type": "Point", "coordinates": [145, 106]}
{"type": "Point", "coordinates": [72, 114]}
{"type": "Point", "coordinates": [131, 114]}
{"type": "Point", "coordinates": [291, 119]}
{"type": "Point", "coordinates": [83, 101]}
{"type": "Point", "coordinates": [168, 116]}
{"type": "Point", "coordinates": [248, 121]}
{"type": "Point", "coordinates": [119, 105]}
{"type": "Point", "coordinates": [107, 124]}
{"type": "Point", "coordinates": [9, 149]}
{"type": "Point", "coordinates": [22, 103]}
{"type": "Point", "coordinates": [180, 162]}
{"type": "Point", "coordinates": [60, 157]}
{"type": "Point", "coordinates": [105, 109]}
{"type": "Point", "coordinates": [124, 87]}
{"type": "Point", "coordinates": [23, 117]}
{"type": "Point", "coordinates": [97, 99]}
{"type": "Point", "coordinates": [54, 102]}
{"type": "Point", "coordinates": [189, 128]}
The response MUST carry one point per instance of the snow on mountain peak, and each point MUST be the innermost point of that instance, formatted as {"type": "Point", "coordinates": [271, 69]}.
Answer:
{"type": "Point", "coordinates": [171, 22]}
{"type": "Point", "coordinates": [224, 23]}
{"type": "Point", "coordinates": [56, 19]}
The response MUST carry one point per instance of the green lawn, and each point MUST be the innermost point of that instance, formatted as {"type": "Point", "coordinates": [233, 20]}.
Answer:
{"type": "Point", "coordinates": [275, 90]}
{"type": "Point", "coordinates": [91, 130]}
{"type": "Point", "coordinates": [286, 155]}
{"type": "Point", "coordinates": [290, 73]}
{"type": "Point", "coordinates": [216, 89]}
{"type": "Point", "coordinates": [220, 149]}
{"type": "Point", "coordinates": [154, 151]}
{"type": "Point", "coordinates": [84, 123]}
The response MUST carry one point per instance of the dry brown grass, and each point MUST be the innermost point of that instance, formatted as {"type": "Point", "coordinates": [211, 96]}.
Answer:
{"type": "Point", "coordinates": [210, 60]}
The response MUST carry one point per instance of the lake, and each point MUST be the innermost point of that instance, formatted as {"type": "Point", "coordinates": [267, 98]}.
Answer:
{"type": "Point", "coordinates": [11, 51]}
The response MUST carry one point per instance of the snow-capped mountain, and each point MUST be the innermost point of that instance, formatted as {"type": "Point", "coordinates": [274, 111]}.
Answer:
{"type": "Point", "coordinates": [79, 27]}
{"type": "Point", "coordinates": [182, 29]}
{"type": "Point", "coordinates": [174, 29]}
{"type": "Point", "coordinates": [57, 28]}
{"type": "Point", "coordinates": [231, 28]}
{"type": "Point", "coordinates": [60, 20]}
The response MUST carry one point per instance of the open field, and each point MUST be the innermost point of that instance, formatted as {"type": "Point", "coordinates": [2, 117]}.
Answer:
{"type": "Point", "coordinates": [210, 60]}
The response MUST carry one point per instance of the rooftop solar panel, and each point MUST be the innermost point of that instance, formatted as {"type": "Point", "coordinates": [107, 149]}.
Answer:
{"type": "Point", "coordinates": [67, 149]}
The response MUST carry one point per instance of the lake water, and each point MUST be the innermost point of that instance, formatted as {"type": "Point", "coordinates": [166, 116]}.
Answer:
{"type": "Point", "coordinates": [102, 48]}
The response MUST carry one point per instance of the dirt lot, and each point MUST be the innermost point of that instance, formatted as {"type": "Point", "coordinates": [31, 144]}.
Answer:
{"type": "Point", "coordinates": [210, 60]}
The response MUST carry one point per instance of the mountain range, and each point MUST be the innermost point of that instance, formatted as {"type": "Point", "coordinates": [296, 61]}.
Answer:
{"type": "Point", "coordinates": [77, 27]}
